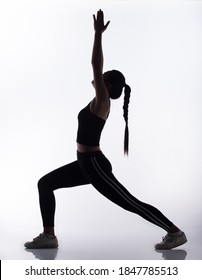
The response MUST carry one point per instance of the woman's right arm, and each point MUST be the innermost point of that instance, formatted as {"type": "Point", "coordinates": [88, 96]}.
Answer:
{"type": "Point", "coordinates": [97, 58]}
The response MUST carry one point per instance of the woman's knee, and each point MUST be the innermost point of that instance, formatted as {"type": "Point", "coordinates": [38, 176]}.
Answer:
{"type": "Point", "coordinates": [43, 183]}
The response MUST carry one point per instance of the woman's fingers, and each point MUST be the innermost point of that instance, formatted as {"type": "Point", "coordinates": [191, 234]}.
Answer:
{"type": "Point", "coordinates": [106, 25]}
{"type": "Point", "coordinates": [99, 21]}
{"type": "Point", "coordinates": [94, 18]}
{"type": "Point", "coordinates": [100, 16]}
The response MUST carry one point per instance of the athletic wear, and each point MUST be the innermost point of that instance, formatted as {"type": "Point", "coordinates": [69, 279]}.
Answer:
{"type": "Point", "coordinates": [43, 241]}
{"type": "Point", "coordinates": [90, 127]}
{"type": "Point", "coordinates": [171, 240]}
{"type": "Point", "coordinates": [93, 168]}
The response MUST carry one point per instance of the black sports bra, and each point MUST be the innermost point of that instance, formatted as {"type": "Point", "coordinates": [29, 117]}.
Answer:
{"type": "Point", "coordinates": [90, 127]}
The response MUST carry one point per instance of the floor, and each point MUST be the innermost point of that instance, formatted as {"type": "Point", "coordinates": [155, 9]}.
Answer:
{"type": "Point", "coordinates": [105, 245]}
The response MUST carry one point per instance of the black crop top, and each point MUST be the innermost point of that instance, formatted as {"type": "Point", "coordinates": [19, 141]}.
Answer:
{"type": "Point", "coordinates": [90, 127]}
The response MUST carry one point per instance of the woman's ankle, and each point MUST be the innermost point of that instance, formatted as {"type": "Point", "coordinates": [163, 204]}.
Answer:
{"type": "Point", "coordinates": [174, 229]}
{"type": "Point", "coordinates": [49, 231]}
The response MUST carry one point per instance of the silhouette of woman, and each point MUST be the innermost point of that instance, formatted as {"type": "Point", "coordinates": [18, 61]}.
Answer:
{"type": "Point", "coordinates": [91, 166]}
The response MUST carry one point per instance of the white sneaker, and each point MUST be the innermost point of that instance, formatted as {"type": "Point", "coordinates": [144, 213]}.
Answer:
{"type": "Point", "coordinates": [42, 241]}
{"type": "Point", "coordinates": [171, 241]}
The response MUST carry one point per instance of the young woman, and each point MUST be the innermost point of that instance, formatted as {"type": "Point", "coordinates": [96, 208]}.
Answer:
{"type": "Point", "coordinates": [91, 166]}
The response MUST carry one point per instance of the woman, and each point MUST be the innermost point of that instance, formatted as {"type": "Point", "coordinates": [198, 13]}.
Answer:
{"type": "Point", "coordinates": [91, 166]}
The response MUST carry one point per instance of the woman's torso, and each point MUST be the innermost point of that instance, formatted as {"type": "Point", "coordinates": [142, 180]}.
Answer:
{"type": "Point", "coordinates": [102, 112]}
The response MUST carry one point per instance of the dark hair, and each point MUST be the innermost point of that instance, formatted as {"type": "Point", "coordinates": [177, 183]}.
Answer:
{"type": "Point", "coordinates": [125, 115]}
{"type": "Point", "coordinates": [116, 81]}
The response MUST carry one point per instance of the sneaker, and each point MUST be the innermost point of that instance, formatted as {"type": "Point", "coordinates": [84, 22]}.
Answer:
{"type": "Point", "coordinates": [42, 241]}
{"type": "Point", "coordinates": [171, 241]}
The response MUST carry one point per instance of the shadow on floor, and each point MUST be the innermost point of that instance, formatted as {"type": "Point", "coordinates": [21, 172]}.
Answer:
{"type": "Point", "coordinates": [173, 254]}
{"type": "Point", "coordinates": [51, 254]}
{"type": "Point", "coordinates": [44, 254]}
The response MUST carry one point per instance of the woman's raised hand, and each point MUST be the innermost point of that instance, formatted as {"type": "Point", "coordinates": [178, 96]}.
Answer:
{"type": "Point", "coordinates": [99, 25]}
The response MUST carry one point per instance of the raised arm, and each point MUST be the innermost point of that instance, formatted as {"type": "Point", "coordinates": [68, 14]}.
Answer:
{"type": "Point", "coordinates": [97, 57]}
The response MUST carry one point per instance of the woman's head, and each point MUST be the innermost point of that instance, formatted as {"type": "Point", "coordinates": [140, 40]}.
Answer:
{"type": "Point", "coordinates": [115, 82]}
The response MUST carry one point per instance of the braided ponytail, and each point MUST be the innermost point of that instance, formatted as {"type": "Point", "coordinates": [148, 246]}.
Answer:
{"type": "Point", "coordinates": [125, 115]}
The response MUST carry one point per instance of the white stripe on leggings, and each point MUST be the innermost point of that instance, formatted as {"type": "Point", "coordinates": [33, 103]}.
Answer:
{"type": "Point", "coordinates": [117, 188]}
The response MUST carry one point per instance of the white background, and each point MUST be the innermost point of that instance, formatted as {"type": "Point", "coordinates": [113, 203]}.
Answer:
{"type": "Point", "coordinates": [45, 79]}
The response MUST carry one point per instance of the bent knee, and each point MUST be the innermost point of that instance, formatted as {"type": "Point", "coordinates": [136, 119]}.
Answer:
{"type": "Point", "coordinates": [43, 183]}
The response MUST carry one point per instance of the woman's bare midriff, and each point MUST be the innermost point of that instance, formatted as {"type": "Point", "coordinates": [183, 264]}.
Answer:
{"type": "Point", "coordinates": [87, 149]}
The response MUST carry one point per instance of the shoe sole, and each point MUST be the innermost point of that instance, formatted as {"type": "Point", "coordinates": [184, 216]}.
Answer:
{"type": "Point", "coordinates": [41, 247]}
{"type": "Point", "coordinates": [47, 246]}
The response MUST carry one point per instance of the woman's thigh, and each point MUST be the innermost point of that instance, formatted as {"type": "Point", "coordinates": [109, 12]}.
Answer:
{"type": "Point", "coordinates": [69, 175]}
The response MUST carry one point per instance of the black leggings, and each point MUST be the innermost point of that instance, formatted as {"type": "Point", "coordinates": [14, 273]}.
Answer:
{"type": "Point", "coordinates": [93, 168]}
